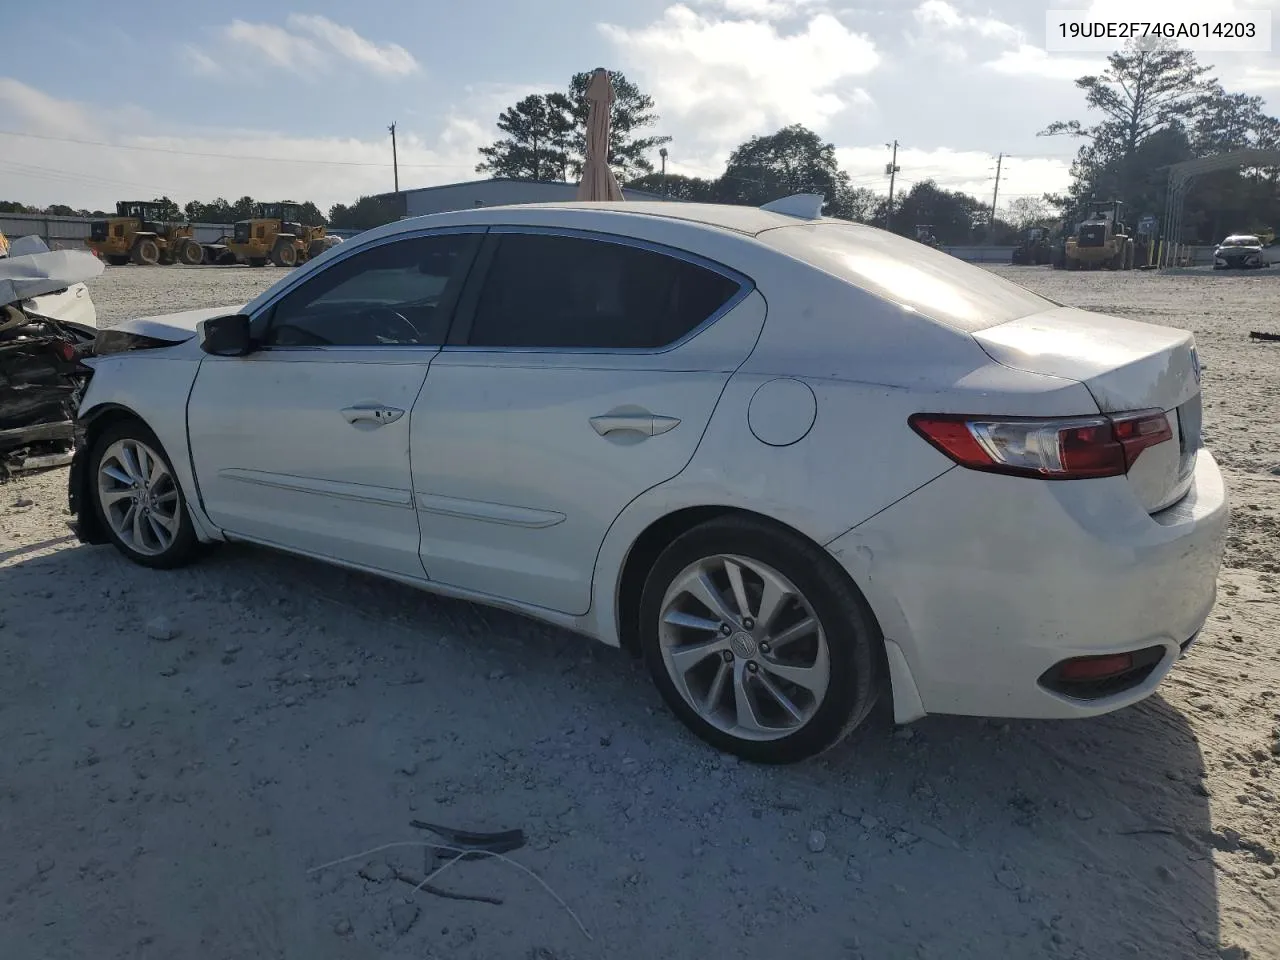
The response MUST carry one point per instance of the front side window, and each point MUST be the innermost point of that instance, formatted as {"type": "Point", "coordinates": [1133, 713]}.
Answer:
{"type": "Point", "coordinates": [396, 294]}
{"type": "Point", "coordinates": [559, 292]}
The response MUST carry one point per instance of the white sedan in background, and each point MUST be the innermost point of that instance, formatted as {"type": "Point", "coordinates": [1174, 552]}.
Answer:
{"type": "Point", "coordinates": [794, 462]}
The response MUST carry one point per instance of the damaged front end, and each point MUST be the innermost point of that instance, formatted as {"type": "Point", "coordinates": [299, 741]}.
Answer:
{"type": "Point", "coordinates": [42, 380]}
{"type": "Point", "coordinates": [42, 371]}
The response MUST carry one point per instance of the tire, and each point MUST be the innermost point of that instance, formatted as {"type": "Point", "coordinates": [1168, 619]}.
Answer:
{"type": "Point", "coordinates": [145, 253]}
{"type": "Point", "coordinates": [117, 259]}
{"type": "Point", "coordinates": [257, 261]}
{"type": "Point", "coordinates": [285, 255]}
{"type": "Point", "coordinates": [315, 248]}
{"type": "Point", "coordinates": [150, 542]}
{"type": "Point", "coordinates": [191, 253]}
{"type": "Point", "coordinates": [846, 632]}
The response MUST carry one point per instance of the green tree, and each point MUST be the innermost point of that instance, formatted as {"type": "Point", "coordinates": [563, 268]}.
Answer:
{"type": "Point", "coordinates": [676, 186]}
{"type": "Point", "coordinates": [546, 134]}
{"type": "Point", "coordinates": [311, 216]}
{"type": "Point", "coordinates": [955, 217]}
{"type": "Point", "coordinates": [365, 213]}
{"type": "Point", "coordinates": [630, 113]}
{"type": "Point", "coordinates": [59, 210]}
{"type": "Point", "coordinates": [1025, 212]}
{"type": "Point", "coordinates": [859, 204]}
{"type": "Point", "coordinates": [536, 145]}
{"type": "Point", "coordinates": [169, 212]}
{"type": "Point", "coordinates": [793, 160]}
{"type": "Point", "coordinates": [12, 206]}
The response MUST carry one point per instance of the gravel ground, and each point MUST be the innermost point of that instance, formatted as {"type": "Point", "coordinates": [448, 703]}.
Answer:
{"type": "Point", "coordinates": [181, 750]}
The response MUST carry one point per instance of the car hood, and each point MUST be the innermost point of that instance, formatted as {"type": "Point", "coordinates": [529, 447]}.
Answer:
{"type": "Point", "coordinates": [37, 274]}
{"type": "Point", "coordinates": [173, 327]}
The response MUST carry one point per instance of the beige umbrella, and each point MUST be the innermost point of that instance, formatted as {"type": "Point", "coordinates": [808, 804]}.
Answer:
{"type": "Point", "coordinates": [598, 181]}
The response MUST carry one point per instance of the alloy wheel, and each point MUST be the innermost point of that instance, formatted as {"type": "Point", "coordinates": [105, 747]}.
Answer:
{"type": "Point", "coordinates": [744, 647]}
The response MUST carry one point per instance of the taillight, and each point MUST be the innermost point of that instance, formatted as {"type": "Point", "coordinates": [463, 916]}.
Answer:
{"type": "Point", "coordinates": [1073, 448]}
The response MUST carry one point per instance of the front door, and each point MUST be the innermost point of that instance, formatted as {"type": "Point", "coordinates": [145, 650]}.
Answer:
{"type": "Point", "coordinates": [305, 443]}
{"type": "Point", "coordinates": [584, 372]}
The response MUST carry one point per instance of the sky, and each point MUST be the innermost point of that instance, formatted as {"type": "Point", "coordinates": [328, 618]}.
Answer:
{"type": "Point", "coordinates": [292, 99]}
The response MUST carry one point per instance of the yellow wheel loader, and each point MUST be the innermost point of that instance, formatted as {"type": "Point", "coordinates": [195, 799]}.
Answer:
{"type": "Point", "coordinates": [138, 234]}
{"type": "Point", "coordinates": [277, 236]}
{"type": "Point", "coordinates": [1101, 240]}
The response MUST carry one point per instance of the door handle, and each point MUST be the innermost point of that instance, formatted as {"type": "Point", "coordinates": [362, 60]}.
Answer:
{"type": "Point", "coordinates": [374, 413]}
{"type": "Point", "coordinates": [647, 424]}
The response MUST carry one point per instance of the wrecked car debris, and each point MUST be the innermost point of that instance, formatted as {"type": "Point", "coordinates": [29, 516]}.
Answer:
{"type": "Point", "coordinates": [42, 373]}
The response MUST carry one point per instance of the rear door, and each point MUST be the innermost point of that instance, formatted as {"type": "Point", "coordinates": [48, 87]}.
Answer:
{"type": "Point", "coordinates": [305, 443]}
{"type": "Point", "coordinates": [582, 371]}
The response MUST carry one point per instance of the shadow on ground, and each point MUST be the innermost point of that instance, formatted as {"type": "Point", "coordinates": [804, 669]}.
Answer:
{"type": "Point", "coordinates": [166, 797]}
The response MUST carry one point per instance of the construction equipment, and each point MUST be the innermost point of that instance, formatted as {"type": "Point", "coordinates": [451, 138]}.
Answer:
{"type": "Point", "coordinates": [138, 233]}
{"type": "Point", "coordinates": [924, 234]}
{"type": "Point", "coordinates": [1033, 249]}
{"type": "Point", "coordinates": [1101, 240]}
{"type": "Point", "coordinates": [277, 235]}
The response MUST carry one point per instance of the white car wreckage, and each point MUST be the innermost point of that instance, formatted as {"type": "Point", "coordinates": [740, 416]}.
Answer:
{"type": "Point", "coordinates": [48, 324]}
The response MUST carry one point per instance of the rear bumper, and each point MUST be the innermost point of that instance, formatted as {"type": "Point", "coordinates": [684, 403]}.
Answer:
{"type": "Point", "coordinates": [986, 583]}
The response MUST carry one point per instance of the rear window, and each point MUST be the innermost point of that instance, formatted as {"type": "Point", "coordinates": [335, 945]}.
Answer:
{"type": "Point", "coordinates": [929, 281]}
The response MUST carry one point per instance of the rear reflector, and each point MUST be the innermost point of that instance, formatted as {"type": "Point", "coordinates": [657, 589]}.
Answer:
{"type": "Point", "coordinates": [1095, 668]}
{"type": "Point", "coordinates": [1071, 448]}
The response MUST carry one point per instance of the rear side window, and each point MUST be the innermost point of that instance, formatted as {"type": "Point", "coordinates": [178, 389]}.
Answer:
{"type": "Point", "coordinates": [936, 284]}
{"type": "Point", "coordinates": [545, 291]}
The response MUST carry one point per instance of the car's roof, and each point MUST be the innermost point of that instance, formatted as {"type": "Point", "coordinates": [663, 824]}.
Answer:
{"type": "Point", "coordinates": [749, 221]}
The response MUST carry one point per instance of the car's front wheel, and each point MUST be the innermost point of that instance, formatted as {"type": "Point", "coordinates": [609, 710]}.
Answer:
{"type": "Point", "coordinates": [758, 641]}
{"type": "Point", "coordinates": [138, 499]}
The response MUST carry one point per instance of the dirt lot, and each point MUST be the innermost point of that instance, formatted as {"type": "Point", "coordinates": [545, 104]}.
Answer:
{"type": "Point", "coordinates": [178, 751]}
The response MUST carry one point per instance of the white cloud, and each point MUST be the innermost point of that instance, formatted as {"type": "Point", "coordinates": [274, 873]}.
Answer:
{"type": "Point", "coordinates": [206, 164]}
{"type": "Point", "coordinates": [308, 45]}
{"type": "Point", "coordinates": [1256, 78]}
{"type": "Point", "coordinates": [277, 44]}
{"type": "Point", "coordinates": [729, 78]}
{"type": "Point", "coordinates": [940, 15]}
{"type": "Point", "coordinates": [30, 109]}
{"type": "Point", "coordinates": [389, 60]}
{"type": "Point", "coordinates": [1029, 61]}
{"type": "Point", "coordinates": [767, 9]}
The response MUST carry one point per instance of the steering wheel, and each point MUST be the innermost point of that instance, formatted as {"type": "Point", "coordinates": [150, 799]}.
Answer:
{"type": "Point", "coordinates": [389, 324]}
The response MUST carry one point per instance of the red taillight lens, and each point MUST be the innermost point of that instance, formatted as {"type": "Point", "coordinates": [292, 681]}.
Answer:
{"type": "Point", "coordinates": [1072, 448]}
{"type": "Point", "coordinates": [1095, 668]}
{"type": "Point", "coordinates": [67, 350]}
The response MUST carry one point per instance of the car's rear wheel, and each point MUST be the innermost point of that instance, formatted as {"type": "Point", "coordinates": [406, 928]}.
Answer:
{"type": "Point", "coordinates": [138, 499]}
{"type": "Point", "coordinates": [758, 642]}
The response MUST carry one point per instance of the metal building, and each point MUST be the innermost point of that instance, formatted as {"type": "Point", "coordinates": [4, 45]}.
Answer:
{"type": "Point", "coordinates": [492, 193]}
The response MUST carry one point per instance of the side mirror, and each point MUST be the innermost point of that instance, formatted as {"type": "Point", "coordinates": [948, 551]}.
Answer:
{"type": "Point", "coordinates": [225, 336]}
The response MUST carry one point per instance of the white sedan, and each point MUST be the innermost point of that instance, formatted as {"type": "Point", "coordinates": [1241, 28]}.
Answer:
{"type": "Point", "coordinates": [794, 462]}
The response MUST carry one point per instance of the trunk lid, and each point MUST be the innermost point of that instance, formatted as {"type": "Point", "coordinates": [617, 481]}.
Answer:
{"type": "Point", "coordinates": [1127, 366]}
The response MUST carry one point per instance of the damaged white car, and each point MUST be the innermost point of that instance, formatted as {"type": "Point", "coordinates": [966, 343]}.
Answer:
{"type": "Point", "coordinates": [47, 324]}
{"type": "Point", "coordinates": [795, 462]}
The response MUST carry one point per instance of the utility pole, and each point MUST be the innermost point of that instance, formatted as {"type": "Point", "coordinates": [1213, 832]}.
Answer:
{"type": "Point", "coordinates": [891, 169]}
{"type": "Point", "coordinates": [996, 195]}
{"type": "Point", "coordinates": [663, 154]}
{"type": "Point", "coordinates": [395, 163]}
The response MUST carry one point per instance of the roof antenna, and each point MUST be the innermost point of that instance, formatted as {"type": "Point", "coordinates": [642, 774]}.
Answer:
{"type": "Point", "coordinates": [805, 205]}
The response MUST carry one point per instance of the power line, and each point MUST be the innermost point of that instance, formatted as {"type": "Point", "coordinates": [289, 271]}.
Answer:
{"type": "Point", "coordinates": [55, 175]}
{"type": "Point", "coordinates": [227, 156]}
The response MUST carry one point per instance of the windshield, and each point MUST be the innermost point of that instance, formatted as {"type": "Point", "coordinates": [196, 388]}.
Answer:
{"type": "Point", "coordinates": [934, 283]}
{"type": "Point", "coordinates": [1242, 242]}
